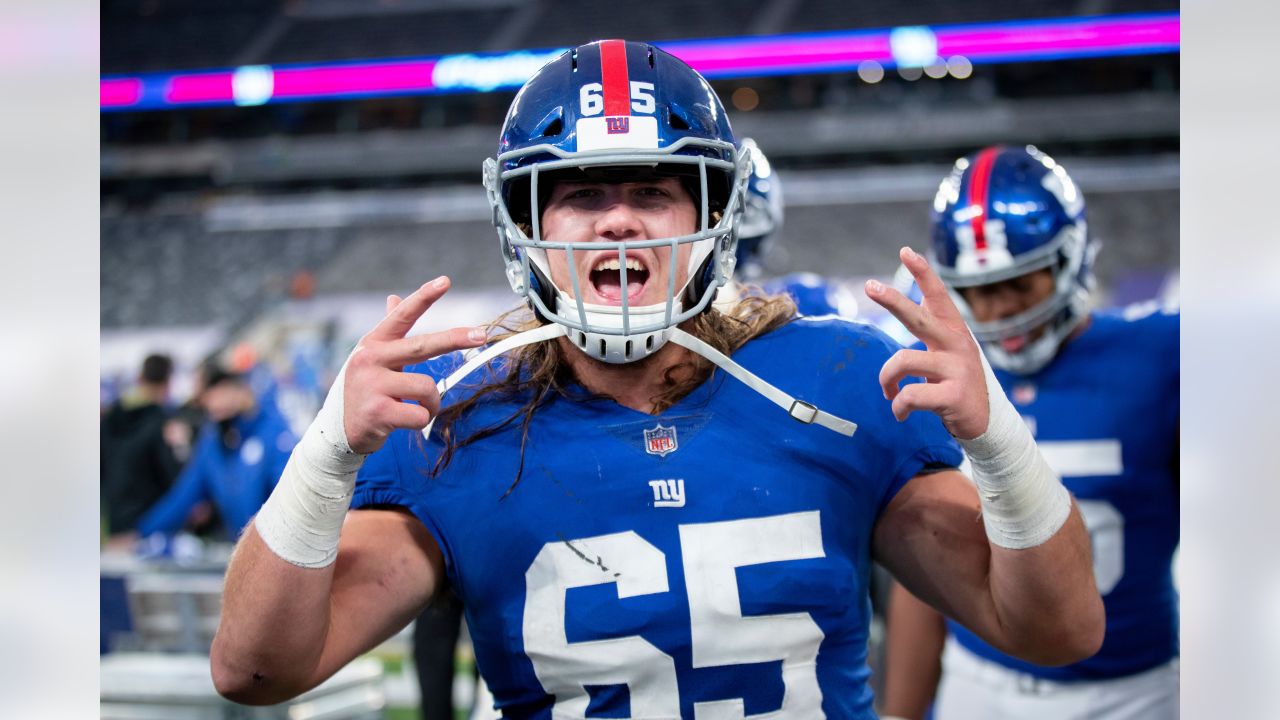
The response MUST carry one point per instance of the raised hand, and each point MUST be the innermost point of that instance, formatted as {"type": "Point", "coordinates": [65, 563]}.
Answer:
{"type": "Point", "coordinates": [955, 388]}
{"type": "Point", "coordinates": [375, 388]}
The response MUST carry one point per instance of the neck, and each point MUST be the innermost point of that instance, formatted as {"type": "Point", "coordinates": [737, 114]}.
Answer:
{"type": "Point", "coordinates": [150, 393]}
{"type": "Point", "coordinates": [634, 384]}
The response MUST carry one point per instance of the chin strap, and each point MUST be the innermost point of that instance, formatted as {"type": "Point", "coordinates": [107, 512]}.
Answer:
{"type": "Point", "coordinates": [550, 331]}
{"type": "Point", "coordinates": [798, 409]}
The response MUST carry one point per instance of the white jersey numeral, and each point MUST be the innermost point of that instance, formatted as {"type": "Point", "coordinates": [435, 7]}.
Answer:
{"type": "Point", "coordinates": [1093, 458]}
{"type": "Point", "coordinates": [1106, 534]}
{"type": "Point", "coordinates": [564, 668]}
{"type": "Point", "coordinates": [720, 633]}
{"type": "Point", "coordinates": [723, 636]}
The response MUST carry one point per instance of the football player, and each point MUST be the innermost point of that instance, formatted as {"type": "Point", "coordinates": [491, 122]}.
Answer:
{"type": "Point", "coordinates": [632, 533]}
{"type": "Point", "coordinates": [762, 216]}
{"type": "Point", "coordinates": [1100, 392]}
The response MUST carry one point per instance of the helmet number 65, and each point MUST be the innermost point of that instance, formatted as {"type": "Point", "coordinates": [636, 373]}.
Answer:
{"type": "Point", "coordinates": [591, 98]}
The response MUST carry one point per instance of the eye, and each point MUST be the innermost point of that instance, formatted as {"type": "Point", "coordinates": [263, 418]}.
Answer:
{"type": "Point", "coordinates": [653, 191]}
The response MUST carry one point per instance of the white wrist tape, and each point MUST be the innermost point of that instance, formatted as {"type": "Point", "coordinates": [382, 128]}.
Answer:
{"type": "Point", "coordinates": [302, 519]}
{"type": "Point", "coordinates": [1023, 500]}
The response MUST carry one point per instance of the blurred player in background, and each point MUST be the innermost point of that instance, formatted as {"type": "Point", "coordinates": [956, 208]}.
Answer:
{"type": "Point", "coordinates": [1100, 392]}
{"type": "Point", "coordinates": [236, 461]}
{"type": "Point", "coordinates": [762, 214]}
{"type": "Point", "coordinates": [574, 492]}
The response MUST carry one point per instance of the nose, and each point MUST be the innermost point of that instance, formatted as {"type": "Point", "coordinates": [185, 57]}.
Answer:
{"type": "Point", "coordinates": [618, 220]}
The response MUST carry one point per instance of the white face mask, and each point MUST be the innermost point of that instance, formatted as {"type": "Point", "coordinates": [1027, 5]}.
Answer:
{"type": "Point", "coordinates": [619, 334]}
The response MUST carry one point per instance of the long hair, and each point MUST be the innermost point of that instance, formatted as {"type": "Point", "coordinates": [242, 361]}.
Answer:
{"type": "Point", "coordinates": [539, 373]}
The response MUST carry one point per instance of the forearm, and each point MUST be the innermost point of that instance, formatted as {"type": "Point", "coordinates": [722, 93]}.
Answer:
{"type": "Point", "coordinates": [275, 618]}
{"type": "Point", "coordinates": [1038, 603]}
{"type": "Point", "coordinates": [915, 636]}
{"type": "Point", "coordinates": [286, 628]}
{"type": "Point", "coordinates": [277, 602]}
{"type": "Point", "coordinates": [1040, 575]}
{"type": "Point", "coordinates": [1044, 598]}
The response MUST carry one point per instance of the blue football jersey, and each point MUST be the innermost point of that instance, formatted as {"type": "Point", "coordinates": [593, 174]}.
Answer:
{"type": "Point", "coordinates": [712, 559]}
{"type": "Point", "coordinates": [1105, 415]}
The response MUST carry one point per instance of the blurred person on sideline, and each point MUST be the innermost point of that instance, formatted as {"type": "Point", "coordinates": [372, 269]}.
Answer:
{"type": "Point", "coordinates": [236, 460]}
{"type": "Point", "coordinates": [1099, 390]}
{"type": "Point", "coordinates": [137, 463]}
{"type": "Point", "coordinates": [631, 533]}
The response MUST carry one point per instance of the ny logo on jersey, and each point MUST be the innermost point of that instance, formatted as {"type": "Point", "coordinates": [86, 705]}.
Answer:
{"type": "Point", "coordinates": [661, 441]}
{"type": "Point", "coordinates": [667, 493]}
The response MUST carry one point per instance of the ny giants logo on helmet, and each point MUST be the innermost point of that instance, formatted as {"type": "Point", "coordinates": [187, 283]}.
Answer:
{"type": "Point", "coordinates": [618, 125]}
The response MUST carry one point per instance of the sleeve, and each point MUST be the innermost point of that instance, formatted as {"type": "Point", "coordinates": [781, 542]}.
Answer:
{"type": "Point", "coordinates": [170, 511]}
{"type": "Point", "coordinates": [398, 474]}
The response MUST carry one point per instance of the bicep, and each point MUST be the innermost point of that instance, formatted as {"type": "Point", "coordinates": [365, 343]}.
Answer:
{"type": "Point", "coordinates": [387, 569]}
{"type": "Point", "coordinates": [932, 539]}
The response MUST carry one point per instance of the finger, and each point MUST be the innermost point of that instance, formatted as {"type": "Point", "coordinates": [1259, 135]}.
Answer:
{"type": "Point", "coordinates": [392, 302]}
{"type": "Point", "coordinates": [919, 396]}
{"type": "Point", "coordinates": [912, 316]}
{"type": "Point", "coordinates": [932, 289]}
{"type": "Point", "coordinates": [401, 318]}
{"type": "Point", "coordinates": [405, 415]}
{"type": "Point", "coordinates": [406, 351]}
{"type": "Point", "coordinates": [909, 363]}
{"type": "Point", "coordinates": [414, 386]}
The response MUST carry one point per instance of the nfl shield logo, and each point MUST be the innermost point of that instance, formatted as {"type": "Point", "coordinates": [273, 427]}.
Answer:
{"type": "Point", "coordinates": [660, 441]}
{"type": "Point", "coordinates": [1023, 394]}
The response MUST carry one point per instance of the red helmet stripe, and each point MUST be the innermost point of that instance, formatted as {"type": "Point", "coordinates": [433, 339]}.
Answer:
{"type": "Point", "coordinates": [979, 182]}
{"type": "Point", "coordinates": [613, 74]}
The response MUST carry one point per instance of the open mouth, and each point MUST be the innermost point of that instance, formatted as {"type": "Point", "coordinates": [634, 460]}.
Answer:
{"type": "Point", "coordinates": [606, 280]}
{"type": "Point", "coordinates": [1014, 344]}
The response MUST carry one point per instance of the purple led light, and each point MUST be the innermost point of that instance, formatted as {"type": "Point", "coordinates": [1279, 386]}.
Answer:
{"type": "Point", "coordinates": [363, 79]}
{"type": "Point", "coordinates": [121, 92]}
{"type": "Point", "coordinates": [719, 58]}
{"type": "Point", "coordinates": [200, 88]}
{"type": "Point", "coordinates": [776, 55]}
{"type": "Point", "coordinates": [990, 42]}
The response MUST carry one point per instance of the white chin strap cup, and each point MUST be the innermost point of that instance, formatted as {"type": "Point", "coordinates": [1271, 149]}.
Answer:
{"type": "Point", "coordinates": [616, 348]}
{"type": "Point", "coordinates": [798, 409]}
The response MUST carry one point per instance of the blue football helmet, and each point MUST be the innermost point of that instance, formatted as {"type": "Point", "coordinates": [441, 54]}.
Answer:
{"type": "Point", "coordinates": [620, 111]}
{"type": "Point", "coordinates": [1004, 212]}
{"type": "Point", "coordinates": [762, 213]}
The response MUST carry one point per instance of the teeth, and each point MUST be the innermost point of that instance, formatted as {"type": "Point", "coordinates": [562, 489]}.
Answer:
{"type": "Point", "coordinates": [612, 264]}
